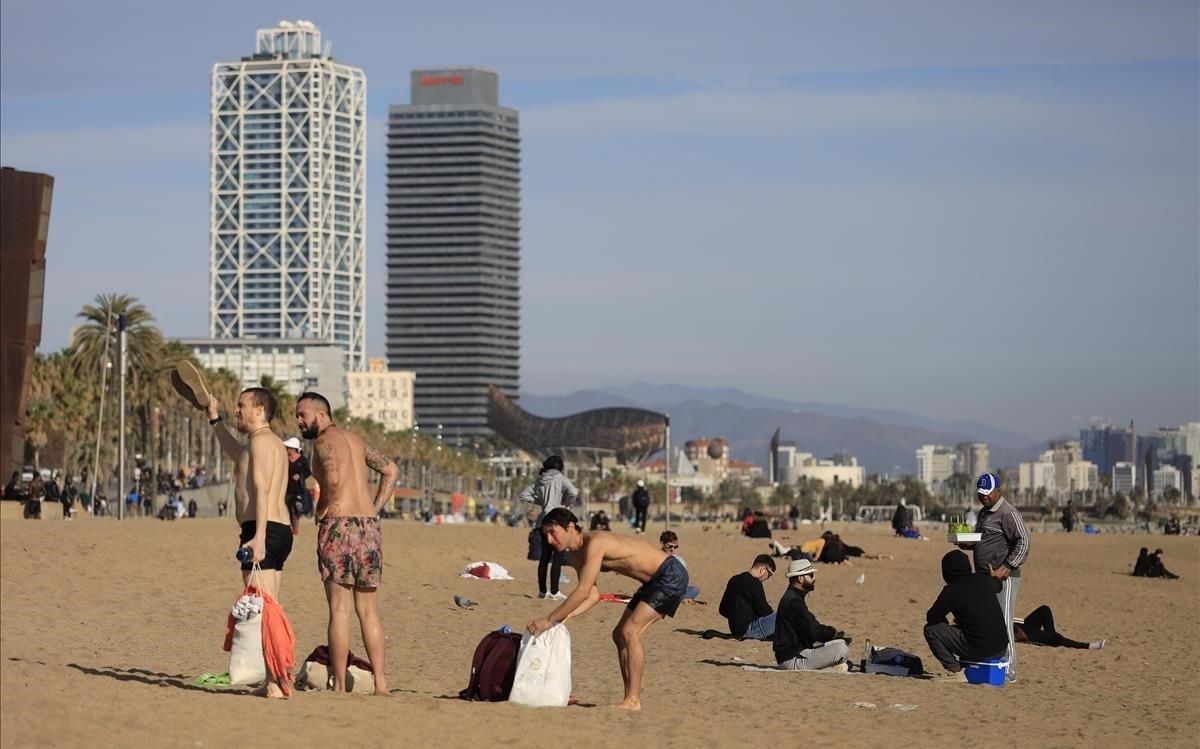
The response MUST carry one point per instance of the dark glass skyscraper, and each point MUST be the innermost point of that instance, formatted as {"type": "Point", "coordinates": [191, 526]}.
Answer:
{"type": "Point", "coordinates": [1106, 446]}
{"type": "Point", "coordinates": [453, 235]}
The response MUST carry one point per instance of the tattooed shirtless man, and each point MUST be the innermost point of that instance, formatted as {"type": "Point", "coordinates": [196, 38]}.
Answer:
{"type": "Point", "coordinates": [349, 540]}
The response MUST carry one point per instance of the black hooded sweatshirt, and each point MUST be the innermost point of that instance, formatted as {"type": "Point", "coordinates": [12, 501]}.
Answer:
{"type": "Point", "coordinates": [1141, 568]}
{"type": "Point", "coordinates": [971, 598]}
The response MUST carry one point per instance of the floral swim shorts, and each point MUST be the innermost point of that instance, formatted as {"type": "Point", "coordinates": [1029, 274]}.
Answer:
{"type": "Point", "coordinates": [350, 551]}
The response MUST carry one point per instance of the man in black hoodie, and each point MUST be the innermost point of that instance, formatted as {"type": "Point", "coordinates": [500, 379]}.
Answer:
{"type": "Point", "coordinates": [980, 632]}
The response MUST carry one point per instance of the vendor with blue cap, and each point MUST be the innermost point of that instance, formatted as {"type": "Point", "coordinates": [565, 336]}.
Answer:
{"type": "Point", "coordinates": [1002, 549]}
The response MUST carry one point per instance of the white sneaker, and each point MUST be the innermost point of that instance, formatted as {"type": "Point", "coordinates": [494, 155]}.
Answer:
{"type": "Point", "coordinates": [543, 595]}
{"type": "Point", "coordinates": [559, 596]}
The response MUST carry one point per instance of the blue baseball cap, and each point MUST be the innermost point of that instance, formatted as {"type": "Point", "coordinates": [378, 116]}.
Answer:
{"type": "Point", "coordinates": [987, 484]}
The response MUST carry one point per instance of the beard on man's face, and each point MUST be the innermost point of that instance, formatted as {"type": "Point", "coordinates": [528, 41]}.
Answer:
{"type": "Point", "coordinates": [311, 432]}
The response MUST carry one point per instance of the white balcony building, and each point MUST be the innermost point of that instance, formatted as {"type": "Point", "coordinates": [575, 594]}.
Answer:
{"type": "Point", "coordinates": [288, 194]}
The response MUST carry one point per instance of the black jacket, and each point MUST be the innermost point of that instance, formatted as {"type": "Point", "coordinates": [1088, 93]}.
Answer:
{"type": "Point", "coordinates": [743, 602]}
{"type": "Point", "coordinates": [971, 598]}
{"type": "Point", "coordinates": [796, 629]}
{"type": "Point", "coordinates": [641, 498]}
{"type": "Point", "coordinates": [298, 473]}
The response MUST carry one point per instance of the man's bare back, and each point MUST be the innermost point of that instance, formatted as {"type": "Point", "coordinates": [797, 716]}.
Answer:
{"type": "Point", "coordinates": [624, 555]}
{"type": "Point", "coordinates": [349, 536]}
{"type": "Point", "coordinates": [339, 468]}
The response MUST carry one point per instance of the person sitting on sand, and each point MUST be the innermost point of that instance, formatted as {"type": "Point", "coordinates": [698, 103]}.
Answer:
{"type": "Point", "coordinates": [1141, 567]}
{"type": "Point", "coordinates": [756, 525]}
{"type": "Point", "coordinates": [664, 580]}
{"type": "Point", "coordinates": [801, 642]}
{"type": "Point", "coordinates": [980, 632]}
{"type": "Point", "coordinates": [669, 542]}
{"type": "Point", "coordinates": [744, 604]}
{"type": "Point", "coordinates": [1038, 628]}
{"type": "Point", "coordinates": [1155, 567]}
{"type": "Point", "coordinates": [901, 518]}
{"type": "Point", "coordinates": [837, 551]}
{"type": "Point", "coordinates": [600, 522]}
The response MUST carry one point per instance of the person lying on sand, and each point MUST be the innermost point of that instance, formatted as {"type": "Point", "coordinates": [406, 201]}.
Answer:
{"type": "Point", "coordinates": [829, 549]}
{"type": "Point", "coordinates": [1038, 628]}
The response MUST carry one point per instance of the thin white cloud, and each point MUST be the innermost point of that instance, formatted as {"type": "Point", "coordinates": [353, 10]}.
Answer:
{"type": "Point", "coordinates": [546, 40]}
{"type": "Point", "coordinates": [783, 112]}
{"type": "Point", "coordinates": [106, 147]}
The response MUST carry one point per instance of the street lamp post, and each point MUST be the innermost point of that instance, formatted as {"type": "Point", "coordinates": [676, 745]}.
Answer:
{"type": "Point", "coordinates": [667, 469]}
{"type": "Point", "coordinates": [121, 440]}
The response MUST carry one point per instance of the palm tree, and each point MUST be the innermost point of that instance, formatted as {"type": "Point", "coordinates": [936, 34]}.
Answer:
{"type": "Point", "coordinates": [40, 411]}
{"type": "Point", "coordinates": [143, 339]}
{"type": "Point", "coordinates": [285, 402]}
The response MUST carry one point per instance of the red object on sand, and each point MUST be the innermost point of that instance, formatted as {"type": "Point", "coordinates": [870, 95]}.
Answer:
{"type": "Point", "coordinates": [481, 570]}
{"type": "Point", "coordinates": [615, 597]}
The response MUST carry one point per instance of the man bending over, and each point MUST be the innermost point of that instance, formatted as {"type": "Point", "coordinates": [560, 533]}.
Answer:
{"type": "Point", "coordinates": [664, 581]}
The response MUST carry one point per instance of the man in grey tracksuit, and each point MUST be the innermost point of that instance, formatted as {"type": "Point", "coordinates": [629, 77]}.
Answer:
{"type": "Point", "coordinates": [1001, 551]}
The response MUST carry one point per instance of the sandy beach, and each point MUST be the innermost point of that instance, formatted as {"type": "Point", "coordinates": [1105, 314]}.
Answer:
{"type": "Point", "coordinates": [105, 625]}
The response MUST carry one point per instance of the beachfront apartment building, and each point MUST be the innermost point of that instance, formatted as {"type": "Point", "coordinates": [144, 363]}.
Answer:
{"type": "Point", "coordinates": [935, 464]}
{"type": "Point", "coordinates": [1166, 477]}
{"type": "Point", "coordinates": [288, 194]}
{"type": "Point", "coordinates": [795, 465]}
{"type": "Point", "coordinates": [972, 458]}
{"type": "Point", "coordinates": [1083, 476]}
{"type": "Point", "coordinates": [297, 364]}
{"type": "Point", "coordinates": [1036, 475]}
{"type": "Point", "coordinates": [1124, 477]}
{"type": "Point", "coordinates": [453, 239]}
{"type": "Point", "coordinates": [381, 395]}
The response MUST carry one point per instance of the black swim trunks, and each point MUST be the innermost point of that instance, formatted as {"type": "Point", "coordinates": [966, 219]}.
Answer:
{"type": "Point", "coordinates": [664, 591]}
{"type": "Point", "coordinates": [279, 544]}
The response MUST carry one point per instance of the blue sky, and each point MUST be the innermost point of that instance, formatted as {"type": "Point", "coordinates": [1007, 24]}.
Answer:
{"type": "Point", "coordinates": [964, 210]}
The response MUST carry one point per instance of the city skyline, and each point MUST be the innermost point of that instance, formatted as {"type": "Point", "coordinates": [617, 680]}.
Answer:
{"type": "Point", "coordinates": [959, 212]}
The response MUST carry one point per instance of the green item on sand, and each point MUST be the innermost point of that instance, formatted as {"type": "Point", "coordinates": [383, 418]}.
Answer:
{"type": "Point", "coordinates": [213, 680]}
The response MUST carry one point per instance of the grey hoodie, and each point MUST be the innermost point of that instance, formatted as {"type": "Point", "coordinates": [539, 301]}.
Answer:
{"type": "Point", "coordinates": [548, 492]}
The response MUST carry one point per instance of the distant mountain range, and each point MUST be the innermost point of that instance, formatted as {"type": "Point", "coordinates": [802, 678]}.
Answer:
{"type": "Point", "coordinates": [882, 440]}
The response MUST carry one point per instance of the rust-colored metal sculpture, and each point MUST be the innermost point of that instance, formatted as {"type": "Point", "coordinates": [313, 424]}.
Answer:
{"type": "Point", "coordinates": [632, 434]}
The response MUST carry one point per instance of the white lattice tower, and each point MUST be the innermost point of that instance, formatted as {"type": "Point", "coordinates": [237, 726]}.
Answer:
{"type": "Point", "coordinates": [288, 183]}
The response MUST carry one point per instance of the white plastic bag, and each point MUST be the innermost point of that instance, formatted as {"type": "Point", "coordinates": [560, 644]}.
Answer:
{"type": "Point", "coordinates": [543, 677]}
{"type": "Point", "coordinates": [246, 662]}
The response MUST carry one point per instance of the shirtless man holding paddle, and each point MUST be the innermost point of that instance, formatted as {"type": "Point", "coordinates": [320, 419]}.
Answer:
{"type": "Point", "coordinates": [259, 483]}
{"type": "Point", "coordinates": [664, 581]}
{"type": "Point", "coordinates": [349, 539]}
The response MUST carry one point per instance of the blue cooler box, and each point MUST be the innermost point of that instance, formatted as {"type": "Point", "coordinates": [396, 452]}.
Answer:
{"type": "Point", "coordinates": [990, 672]}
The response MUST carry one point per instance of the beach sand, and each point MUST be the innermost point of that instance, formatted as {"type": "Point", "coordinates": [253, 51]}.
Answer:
{"type": "Point", "coordinates": [104, 626]}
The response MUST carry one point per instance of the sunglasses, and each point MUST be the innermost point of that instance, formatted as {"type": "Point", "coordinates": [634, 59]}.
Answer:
{"type": "Point", "coordinates": [670, 547]}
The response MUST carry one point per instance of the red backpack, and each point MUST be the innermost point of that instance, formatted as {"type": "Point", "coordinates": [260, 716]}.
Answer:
{"type": "Point", "coordinates": [493, 667]}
